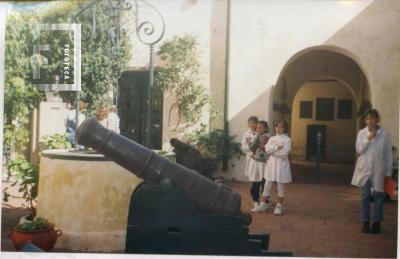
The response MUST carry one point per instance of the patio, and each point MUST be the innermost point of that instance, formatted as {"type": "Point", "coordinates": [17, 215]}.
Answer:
{"type": "Point", "coordinates": [319, 220]}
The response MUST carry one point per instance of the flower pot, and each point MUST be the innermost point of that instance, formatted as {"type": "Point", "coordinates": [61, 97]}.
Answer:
{"type": "Point", "coordinates": [44, 239]}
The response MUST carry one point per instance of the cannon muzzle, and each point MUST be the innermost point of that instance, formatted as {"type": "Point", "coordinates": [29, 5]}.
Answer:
{"type": "Point", "coordinates": [205, 195]}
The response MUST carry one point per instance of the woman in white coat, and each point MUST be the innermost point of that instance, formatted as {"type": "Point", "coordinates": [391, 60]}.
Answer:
{"type": "Point", "coordinates": [373, 164]}
{"type": "Point", "coordinates": [278, 167]}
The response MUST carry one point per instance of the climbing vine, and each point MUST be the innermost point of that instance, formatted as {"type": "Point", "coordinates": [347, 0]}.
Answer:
{"type": "Point", "coordinates": [182, 76]}
{"type": "Point", "coordinates": [101, 67]}
{"type": "Point", "coordinates": [20, 95]}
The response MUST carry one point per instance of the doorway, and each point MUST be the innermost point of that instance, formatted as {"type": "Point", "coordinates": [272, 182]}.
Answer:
{"type": "Point", "coordinates": [132, 108]}
{"type": "Point", "coordinates": [312, 139]}
{"type": "Point", "coordinates": [321, 89]}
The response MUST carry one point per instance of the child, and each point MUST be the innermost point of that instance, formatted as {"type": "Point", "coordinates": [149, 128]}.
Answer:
{"type": "Point", "coordinates": [277, 168]}
{"type": "Point", "coordinates": [257, 162]}
{"type": "Point", "coordinates": [248, 137]}
{"type": "Point", "coordinates": [373, 164]}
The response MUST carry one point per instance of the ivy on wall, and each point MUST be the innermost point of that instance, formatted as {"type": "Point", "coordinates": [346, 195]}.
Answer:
{"type": "Point", "coordinates": [101, 67]}
{"type": "Point", "coordinates": [182, 77]}
{"type": "Point", "coordinates": [103, 58]}
{"type": "Point", "coordinates": [20, 95]}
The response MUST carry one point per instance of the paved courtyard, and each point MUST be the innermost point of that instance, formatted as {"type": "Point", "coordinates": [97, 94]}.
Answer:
{"type": "Point", "coordinates": [323, 221]}
{"type": "Point", "coordinates": [319, 220]}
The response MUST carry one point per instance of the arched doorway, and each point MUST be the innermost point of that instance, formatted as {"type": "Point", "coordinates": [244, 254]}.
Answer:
{"type": "Point", "coordinates": [322, 89]}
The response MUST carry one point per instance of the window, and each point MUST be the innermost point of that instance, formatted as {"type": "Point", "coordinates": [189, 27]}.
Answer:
{"type": "Point", "coordinates": [306, 109]}
{"type": "Point", "coordinates": [345, 109]}
{"type": "Point", "coordinates": [325, 109]}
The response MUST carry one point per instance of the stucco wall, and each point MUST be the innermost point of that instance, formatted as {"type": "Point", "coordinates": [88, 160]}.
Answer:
{"type": "Point", "coordinates": [180, 17]}
{"type": "Point", "coordinates": [374, 38]}
{"type": "Point", "coordinates": [54, 113]}
{"type": "Point", "coordinates": [87, 200]}
{"type": "Point", "coordinates": [340, 133]}
{"type": "Point", "coordinates": [266, 34]}
{"type": "Point", "coordinates": [218, 43]}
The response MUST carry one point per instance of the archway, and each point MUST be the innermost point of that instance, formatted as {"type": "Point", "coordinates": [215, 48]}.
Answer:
{"type": "Point", "coordinates": [322, 89]}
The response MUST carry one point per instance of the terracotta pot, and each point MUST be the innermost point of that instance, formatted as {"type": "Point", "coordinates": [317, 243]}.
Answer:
{"type": "Point", "coordinates": [44, 239]}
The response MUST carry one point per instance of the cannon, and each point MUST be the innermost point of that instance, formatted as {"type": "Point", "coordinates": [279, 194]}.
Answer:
{"type": "Point", "coordinates": [176, 210]}
{"type": "Point", "coordinates": [188, 156]}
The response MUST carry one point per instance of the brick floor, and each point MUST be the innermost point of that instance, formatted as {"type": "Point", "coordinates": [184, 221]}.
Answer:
{"type": "Point", "coordinates": [324, 221]}
{"type": "Point", "coordinates": [319, 220]}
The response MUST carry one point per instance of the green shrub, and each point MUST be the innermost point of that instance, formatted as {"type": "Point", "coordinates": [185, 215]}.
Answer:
{"type": "Point", "coordinates": [26, 176]}
{"type": "Point", "coordinates": [56, 141]}
{"type": "Point", "coordinates": [35, 224]}
{"type": "Point", "coordinates": [216, 144]}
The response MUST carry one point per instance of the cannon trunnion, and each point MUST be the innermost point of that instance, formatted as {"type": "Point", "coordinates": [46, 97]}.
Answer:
{"type": "Point", "coordinates": [176, 210]}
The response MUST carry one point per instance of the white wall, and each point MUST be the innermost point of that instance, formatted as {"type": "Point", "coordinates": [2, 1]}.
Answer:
{"type": "Point", "coordinates": [374, 37]}
{"type": "Point", "coordinates": [266, 34]}
{"type": "Point", "coordinates": [181, 17]}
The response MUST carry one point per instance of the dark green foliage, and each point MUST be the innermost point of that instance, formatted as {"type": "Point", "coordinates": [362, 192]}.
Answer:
{"type": "Point", "coordinates": [20, 95]}
{"type": "Point", "coordinates": [182, 76]}
{"type": "Point", "coordinates": [216, 143]}
{"type": "Point", "coordinates": [35, 224]}
{"type": "Point", "coordinates": [103, 57]}
{"type": "Point", "coordinates": [101, 68]}
{"type": "Point", "coordinates": [55, 141]}
{"type": "Point", "coordinates": [26, 176]}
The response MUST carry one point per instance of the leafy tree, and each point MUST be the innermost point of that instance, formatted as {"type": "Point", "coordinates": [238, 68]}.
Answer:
{"type": "Point", "coordinates": [103, 55]}
{"type": "Point", "coordinates": [181, 75]}
{"type": "Point", "coordinates": [101, 67]}
{"type": "Point", "coordinates": [20, 95]}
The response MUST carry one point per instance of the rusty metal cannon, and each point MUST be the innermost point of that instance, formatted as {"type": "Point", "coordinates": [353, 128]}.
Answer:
{"type": "Point", "coordinates": [178, 210]}
{"type": "Point", "coordinates": [188, 156]}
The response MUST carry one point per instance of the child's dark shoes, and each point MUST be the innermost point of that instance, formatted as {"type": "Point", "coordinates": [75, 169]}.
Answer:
{"type": "Point", "coordinates": [376, 228]}
{"type": "Point", "coordinates": [365, 227]}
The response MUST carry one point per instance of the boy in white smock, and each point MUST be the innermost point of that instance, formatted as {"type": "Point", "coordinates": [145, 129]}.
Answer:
{"type": "Point", "coordinates": [373, 165]}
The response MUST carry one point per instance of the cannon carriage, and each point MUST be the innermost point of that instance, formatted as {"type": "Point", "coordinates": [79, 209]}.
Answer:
{"type": "Point", "coordinates": [176, 210]}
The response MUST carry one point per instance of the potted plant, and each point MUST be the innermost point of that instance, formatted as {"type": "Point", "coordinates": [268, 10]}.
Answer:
{"type": "Point", "coordinates": [216, 146]}
{"type": "Point", "coordinates": [38, 231]}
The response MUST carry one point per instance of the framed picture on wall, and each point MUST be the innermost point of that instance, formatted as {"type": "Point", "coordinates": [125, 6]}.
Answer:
{"type": "Point", "coordinates": [345, 109]}
{"type": "Point", "coordinates": [306, 109]}
{"type": "Point", "coordinates": [325, 109]}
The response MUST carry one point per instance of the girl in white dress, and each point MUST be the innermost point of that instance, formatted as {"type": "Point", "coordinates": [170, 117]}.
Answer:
{"type": "Point", "coordinates": [257, 162]}
{"type": "Point", "coordinates": [277, 167]}
{"type": "Point", "coordinates": [248, 137]}
{"type": "Point", "coordinates": [373, 165]}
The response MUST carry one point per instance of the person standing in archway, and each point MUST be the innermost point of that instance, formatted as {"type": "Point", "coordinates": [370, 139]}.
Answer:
{"type": "Point", "coordinates": [373, 165]}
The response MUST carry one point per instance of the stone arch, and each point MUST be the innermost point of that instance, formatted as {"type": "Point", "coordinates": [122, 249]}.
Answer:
{"type": "Point", "coordinates": [324, 62]}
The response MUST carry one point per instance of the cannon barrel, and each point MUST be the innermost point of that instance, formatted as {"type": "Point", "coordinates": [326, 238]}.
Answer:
{"type": "Point", "coordinates": [205, 195]}
{"type": "Point", "coordinates": [176, 143]}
